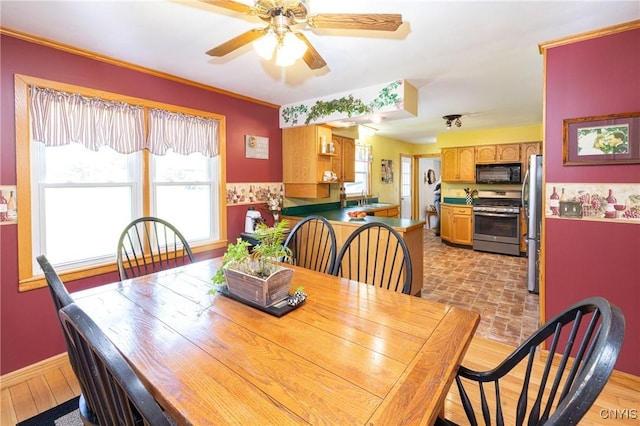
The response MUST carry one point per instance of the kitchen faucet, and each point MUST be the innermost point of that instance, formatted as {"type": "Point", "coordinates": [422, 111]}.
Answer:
{"type": "Point", "coordinates": [363, 198]}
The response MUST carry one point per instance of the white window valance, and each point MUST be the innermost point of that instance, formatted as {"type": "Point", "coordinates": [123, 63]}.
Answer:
{"type": "Point", "coordinates": [59, 118]}
{"type": "Point", "coordinates": [183, 133]}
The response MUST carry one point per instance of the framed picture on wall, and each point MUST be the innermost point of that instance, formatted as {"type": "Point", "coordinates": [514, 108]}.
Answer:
{"type": "Point", "coordinates": [387, 171]}
{"type": "Point", "coordinates": [256, 147]}
{"type": "Point", "coordinates": [607, 139]}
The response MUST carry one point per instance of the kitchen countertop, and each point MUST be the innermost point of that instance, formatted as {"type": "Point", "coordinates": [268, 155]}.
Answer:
{"type": "Point", "coordinates": [341, 215]}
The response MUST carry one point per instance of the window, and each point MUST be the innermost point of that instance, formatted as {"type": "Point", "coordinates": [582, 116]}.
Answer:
{"type": "Point", "coordinates": [363, 172]}
{"type": "Point", "coordinates": [73, 190]}
{"type": "Point", "coordinates": [82, 194]}
{"type": "Point", "coordinates": [185, 194]}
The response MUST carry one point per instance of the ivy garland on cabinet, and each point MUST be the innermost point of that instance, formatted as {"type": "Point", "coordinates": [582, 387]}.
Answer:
{"type": "Point", "coordinates": [346, 104]}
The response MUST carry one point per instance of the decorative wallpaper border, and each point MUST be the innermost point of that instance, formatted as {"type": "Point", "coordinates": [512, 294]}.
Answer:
{"type": "Point", "coordinates": [619, 202]}
{"type": "Point", "coordinates": [252, 193]}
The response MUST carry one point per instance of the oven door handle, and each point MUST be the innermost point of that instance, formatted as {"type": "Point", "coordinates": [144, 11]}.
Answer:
{"type": "Point", "coordinates": [496, 214]}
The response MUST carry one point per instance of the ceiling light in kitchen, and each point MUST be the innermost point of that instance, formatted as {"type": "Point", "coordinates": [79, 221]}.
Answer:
{"type": "Point", "coordinates": [452, 119]}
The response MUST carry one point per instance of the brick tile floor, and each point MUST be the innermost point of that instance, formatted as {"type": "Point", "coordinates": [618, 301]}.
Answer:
{"type": "Point", "coordinates": [494, 285]}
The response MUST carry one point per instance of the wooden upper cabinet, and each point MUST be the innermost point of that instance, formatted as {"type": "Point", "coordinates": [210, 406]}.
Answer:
{"type": "Point", "coordinates": [300, 148]}
{"type": "Point", "coordinates": [466, 164]}
{"type": "Point", "coordinates": [508, 153]}
{"type": "Point", "coordinates": [348, 155]}
{"type": "Point", "coordinates": [526, 151]}
{"type": "Point", "coordinates": [303, 164]}
{"type": "Point", "coordinates": [449, 164]}
{"type": "Point", "coordinates": [485, 154]}
{"type": "Point", "coordinates": [488, 154]}
{"type": "Point", "coordinates": [458, 164]}
{"type": "Point", "coordinates": [343, 163]}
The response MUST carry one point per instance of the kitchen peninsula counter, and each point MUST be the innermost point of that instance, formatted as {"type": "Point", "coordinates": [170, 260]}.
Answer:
{"type": "Point", "coordinates": [344, 225]}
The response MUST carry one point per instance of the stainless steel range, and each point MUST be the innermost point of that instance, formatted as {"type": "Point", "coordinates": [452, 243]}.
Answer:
{"type": "Point", "coordinates": [496, 222]}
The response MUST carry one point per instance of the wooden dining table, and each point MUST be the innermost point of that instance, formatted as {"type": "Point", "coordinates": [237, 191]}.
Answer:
{"type": "Point", "coordinates": [351, 354]}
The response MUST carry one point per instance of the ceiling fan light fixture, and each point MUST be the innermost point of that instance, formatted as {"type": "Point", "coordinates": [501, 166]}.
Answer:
{"type": "Point", "coordinates": [290, 49]}
{"type": "Point", "coordinates": [282, 59]}
{"type": "Point", "coordinates": [266, 45]}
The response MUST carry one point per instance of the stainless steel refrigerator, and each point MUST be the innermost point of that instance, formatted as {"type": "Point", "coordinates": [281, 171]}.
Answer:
{"type": "Point", "coordinates": [532, 204]}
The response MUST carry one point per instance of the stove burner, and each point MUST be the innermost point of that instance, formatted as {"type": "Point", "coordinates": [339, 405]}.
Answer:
{"type": "Point", "coordinates": [497, 205]}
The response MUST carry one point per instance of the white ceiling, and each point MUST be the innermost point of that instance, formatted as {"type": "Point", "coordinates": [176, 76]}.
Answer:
{"type": "Point", "coordinates": [475, 58]}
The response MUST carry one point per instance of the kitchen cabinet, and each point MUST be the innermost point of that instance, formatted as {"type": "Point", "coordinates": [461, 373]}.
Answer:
{"type": "Point", "coordinates": [393, 211]}
{"type": "Point", "coordinates": [458, 164]}
{"type": "Point", "coordinates": [456, 224]}
{"type": "Point", "coordinates": [304, 163]}
{"type": "Point", "coordinates": [485, 154]}
{"type": "Point", "coordinates": [526, 151]}
{"type": "Point", "coordinates": [509, 153]}
{"type": "Point", "coordinates": [490, 154]}
{"type": "Point", "coordinates": [343, 163]}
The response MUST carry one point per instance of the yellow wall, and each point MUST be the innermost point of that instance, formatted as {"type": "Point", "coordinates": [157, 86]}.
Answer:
{"type": "Point", "coordinates": [427, 149]}
{"type": "Point", "coordinates": [452, 138]}
{"type": "Point", "coordinates": [386, 149]}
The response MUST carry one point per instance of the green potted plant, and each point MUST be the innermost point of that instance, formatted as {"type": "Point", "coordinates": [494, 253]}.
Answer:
{"type": "Point", "coordinates": [256, 276]}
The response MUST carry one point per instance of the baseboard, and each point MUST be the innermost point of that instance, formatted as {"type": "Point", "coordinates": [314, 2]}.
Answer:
{"type": "Point", "coordinates": [33, 370]}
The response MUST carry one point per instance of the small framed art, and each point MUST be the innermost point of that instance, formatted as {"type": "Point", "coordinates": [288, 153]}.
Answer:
{"type": "Point", "coordinates": [256, 147]}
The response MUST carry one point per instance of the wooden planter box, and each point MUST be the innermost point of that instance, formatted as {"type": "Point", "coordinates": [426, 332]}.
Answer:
{"type": "Point", "coordinates": [264, 292]}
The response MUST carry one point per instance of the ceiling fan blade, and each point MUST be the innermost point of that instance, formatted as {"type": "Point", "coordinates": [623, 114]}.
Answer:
{"type": "Point", "coordinates": [231, 5]}
{"type": "Point", "coordinates": [237, 42]}
{"type": "Point", "coordinates": [356, 21]}
{"type": "Point", "coordinates": [311, 56]}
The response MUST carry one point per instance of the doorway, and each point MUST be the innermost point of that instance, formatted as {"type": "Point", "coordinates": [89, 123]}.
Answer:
{"type": "Point", "coordinates": [406, 188]}
{"type": "Point", "coordinates": [429, 170]}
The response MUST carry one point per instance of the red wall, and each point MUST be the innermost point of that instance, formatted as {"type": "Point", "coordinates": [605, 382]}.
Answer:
{"type": "Point", "coordinates": [29, 329]}
{"type": "Point", "coordinates": [586, 258]}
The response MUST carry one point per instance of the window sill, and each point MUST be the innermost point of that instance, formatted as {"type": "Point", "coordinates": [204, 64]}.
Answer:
{"type": "Point", "coordinates": [39, 281]}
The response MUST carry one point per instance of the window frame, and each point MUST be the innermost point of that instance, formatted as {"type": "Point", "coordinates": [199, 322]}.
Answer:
{"type": "Point", "coordinates": [355, 195]}
{"type": "Point", "coordinates": [27, 280]}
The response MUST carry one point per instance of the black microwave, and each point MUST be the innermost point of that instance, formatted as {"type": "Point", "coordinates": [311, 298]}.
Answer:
{"type": "Point", "coordinates": [499, 173]}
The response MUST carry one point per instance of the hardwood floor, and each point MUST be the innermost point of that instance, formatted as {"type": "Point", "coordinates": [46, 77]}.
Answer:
{"type": "Point", "coordinates": [37, 388]}
{"type": "Point", "coordinates": [503, 326]}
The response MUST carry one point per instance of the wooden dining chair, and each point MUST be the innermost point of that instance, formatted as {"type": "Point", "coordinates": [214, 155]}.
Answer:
{"type": "Point", "coordinates": [149, 245]}
{"type": "Point", "coordinates": [313, 244]}
{"type": "Point", "coordinates": [117, 393]}
{"type": "Point", "coordinates": [376, 254]}
{"type": "Point", "coordinates": [62, 298]}
{"type": "Point", "coordinates": [583, 344]}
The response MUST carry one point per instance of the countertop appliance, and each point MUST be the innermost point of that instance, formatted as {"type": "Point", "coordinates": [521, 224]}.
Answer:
{"type": "Point", "coordinates": [508, 173]}
{"type": "Point", "coordinates": [496, 222]}
{"type": "Point", "coordinates": [253, 218]}
{"type": "Point", "coordinates": [532, 204]}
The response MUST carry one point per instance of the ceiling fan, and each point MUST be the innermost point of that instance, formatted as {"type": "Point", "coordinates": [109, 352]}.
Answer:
{"type": "Point", "coordinates": [279, 37]}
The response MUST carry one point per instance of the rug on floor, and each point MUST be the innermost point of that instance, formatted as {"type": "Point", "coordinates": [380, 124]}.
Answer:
{"type": "Point", "coordinates": [65, 414]}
